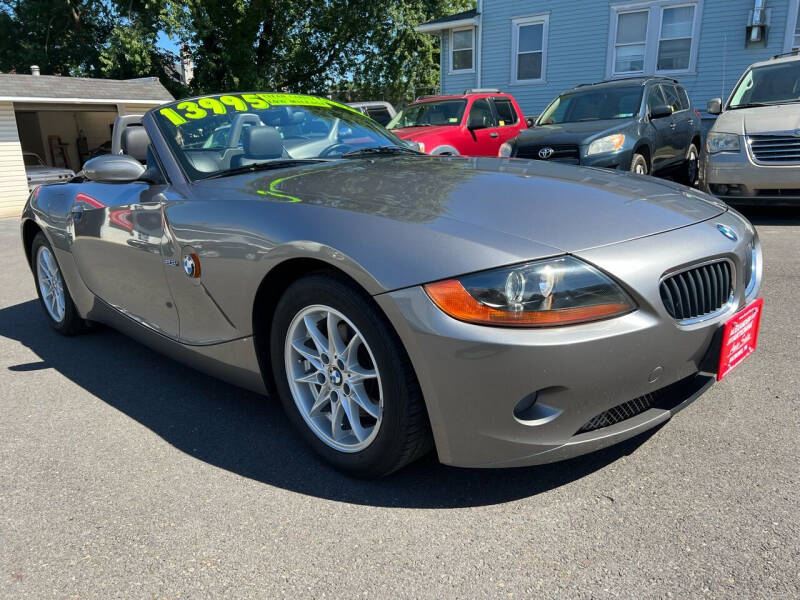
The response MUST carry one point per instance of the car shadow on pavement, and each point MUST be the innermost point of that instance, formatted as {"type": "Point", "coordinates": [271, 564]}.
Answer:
{"type": "Point", "coordinates": [248, 434]}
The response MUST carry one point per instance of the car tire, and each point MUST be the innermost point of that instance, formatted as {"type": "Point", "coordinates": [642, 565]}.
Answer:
{"type": "Point", "coordinates": [390, 424]}
{"type": "Point", "coordinates": [639, 165]}
{"type": "Point", "coordinates": [690, 172]}
{"type": "Point", "coordinates": [54, 297]}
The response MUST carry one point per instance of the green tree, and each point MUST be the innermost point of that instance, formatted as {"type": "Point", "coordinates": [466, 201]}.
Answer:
{"type": "Point", "coordinates": [132, 50]}
{"type": "Point", "coordinates": [313, 45]}
{"type": "Point", "coordinates": [61, 36]}
{"type": "Point", "coordinates": [399, 62]}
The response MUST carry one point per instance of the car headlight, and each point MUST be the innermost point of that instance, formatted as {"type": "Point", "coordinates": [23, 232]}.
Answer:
{"type": "Point", "coordinates": [420, 146]}
{"type": "Point", "coordinates": [722, 142]}
{"type": "Point", "coordinates": [505, 150]}
{"type": "Point", "coordinates": [610, 143]}
{"type": "Point", "coordinates": [545, 293]}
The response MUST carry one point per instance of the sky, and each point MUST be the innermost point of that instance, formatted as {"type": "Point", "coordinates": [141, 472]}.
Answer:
{"type": "Point", "coordinates": [166, 43]}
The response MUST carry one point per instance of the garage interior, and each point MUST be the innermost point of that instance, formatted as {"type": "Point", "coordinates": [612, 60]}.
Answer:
{"type": "Point", "coordinates": [65, 136]}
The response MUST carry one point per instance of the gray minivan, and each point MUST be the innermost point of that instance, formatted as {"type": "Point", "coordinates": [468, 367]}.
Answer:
{"type": "Point", "coordinates": [753, 150]}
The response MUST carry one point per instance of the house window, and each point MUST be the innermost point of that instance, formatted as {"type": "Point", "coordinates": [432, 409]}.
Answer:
{"type": "Point", "coordinates": [659, 36]}
{"type": "Point", "coordinates": [675, 42]}
{"type": "Point", "coordinates": [796, 40]}
{"type": "Point", "coordinates": [462, 42]}
{"type": "Point", "coordinates": [631, 41]}
{"type": "Point", "coordinates": [529, 49]}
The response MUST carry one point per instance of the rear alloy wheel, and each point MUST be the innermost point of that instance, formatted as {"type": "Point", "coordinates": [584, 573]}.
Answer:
{"type": "Point", "coordinates": [53, 293]}
{"type": "Point", "coordinates": [639, 165]}
{"type": "Point", "coordinates": [345, 380]}
{"type": "Point", "coordinates": [691, 168]}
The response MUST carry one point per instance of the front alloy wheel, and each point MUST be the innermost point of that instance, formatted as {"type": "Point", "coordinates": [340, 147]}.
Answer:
{"type": "Point", "coordinates": [334, 379]}
{"type": "Point", "coordinates": [345, 379]}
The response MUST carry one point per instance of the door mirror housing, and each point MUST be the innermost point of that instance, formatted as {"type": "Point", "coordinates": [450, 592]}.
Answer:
{"type": "Point", "coordinates": [660, 111]}
{"type": "Point", "coordinates": [714, 107]}
{"type": "Point", "coordinates": [113, 168]}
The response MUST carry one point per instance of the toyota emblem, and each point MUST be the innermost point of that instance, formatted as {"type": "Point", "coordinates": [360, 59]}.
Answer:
{"type": "Point", "coordinates": [546, 153]}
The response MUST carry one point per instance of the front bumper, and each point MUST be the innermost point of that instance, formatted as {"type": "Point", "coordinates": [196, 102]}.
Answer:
{"type": "Point", "coordinates": [473, 377]}
{"type": "Point", "coordinates": [614, 160]}
{"type": "Point", "coordinates": [735, 178]}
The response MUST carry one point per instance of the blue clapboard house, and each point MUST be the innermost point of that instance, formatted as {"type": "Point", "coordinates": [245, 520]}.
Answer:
{"type": "Point", "coordinates": [535, 49]}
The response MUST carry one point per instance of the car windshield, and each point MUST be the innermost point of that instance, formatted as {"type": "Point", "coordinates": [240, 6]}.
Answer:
{"type": "Point", "coordinates": [770, 84]}
{"type": "Point", "coordinates": [593, 105]}
{"type": "Point", "coordinates": [443, 112]}
{"type": "Point", "coordinates": [31, 160]}
{"type": "Point", "coordinates": [216, 134]}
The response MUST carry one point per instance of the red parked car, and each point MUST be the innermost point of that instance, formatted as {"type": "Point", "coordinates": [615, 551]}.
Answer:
{"type": "Point", "coordinates": [475, 123]}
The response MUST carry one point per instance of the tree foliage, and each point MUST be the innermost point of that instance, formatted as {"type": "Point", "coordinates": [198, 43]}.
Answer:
{"type": "Point", "coordinates": [296, 45]}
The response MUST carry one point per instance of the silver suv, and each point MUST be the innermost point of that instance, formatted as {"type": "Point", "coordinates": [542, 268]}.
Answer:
{"type": "Point", "coordinates": [753, 150]}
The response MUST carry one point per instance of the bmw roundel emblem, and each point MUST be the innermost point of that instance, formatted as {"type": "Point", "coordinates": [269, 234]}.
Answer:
{"type": "Point", "coordinates": [727, 232]}
{"type": "Point", "coordinates": [545, 153]}
{"type": "Point", "coordinates": [191, 265]}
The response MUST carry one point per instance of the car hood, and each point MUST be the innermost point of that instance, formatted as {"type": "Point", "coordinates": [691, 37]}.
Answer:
{"type": "Point", "coordinates": [565, 208]}
{"type": "Point", "coordinates": [571, 133]}
{"type": "Point", "coordinates": [420, 133]}
{"type": "Point", "coordinates": [762, 119]}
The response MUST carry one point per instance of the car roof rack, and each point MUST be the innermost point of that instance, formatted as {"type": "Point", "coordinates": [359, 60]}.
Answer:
{"type": "Point", "coordinates": [782, 54]}
{"type": "Point", "coordinates": [425, 97]}
{"type": "Point", "coordinates": [482, 91]}
{"type": "Point", "coordinates": [644, 78]}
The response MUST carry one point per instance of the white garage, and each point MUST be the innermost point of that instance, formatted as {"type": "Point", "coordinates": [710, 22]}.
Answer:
{"type": "Point", "coordinates": [63, 120]}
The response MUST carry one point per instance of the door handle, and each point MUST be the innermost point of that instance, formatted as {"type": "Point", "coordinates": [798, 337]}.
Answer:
{"type": "Point", "coordinates": [494, 134]}
{"type": "Point", "coordinates": [77, 212]}
{"type": "Point", "coordinates": [672, 125]}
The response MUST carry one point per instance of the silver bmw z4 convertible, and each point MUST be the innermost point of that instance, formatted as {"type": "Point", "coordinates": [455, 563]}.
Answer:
{"type": "Point", "coordinates": [505, 312]}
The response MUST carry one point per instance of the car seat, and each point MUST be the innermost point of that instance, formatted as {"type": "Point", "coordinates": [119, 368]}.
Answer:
{"type": "Point", "coordinates": [260, 144]}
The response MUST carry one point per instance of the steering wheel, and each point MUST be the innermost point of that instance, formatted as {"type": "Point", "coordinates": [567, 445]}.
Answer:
{"type": "Point", "coordinates": [337, 148]}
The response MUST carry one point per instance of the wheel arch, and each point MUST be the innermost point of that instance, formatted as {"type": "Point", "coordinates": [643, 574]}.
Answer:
{"type": "Point", "coordinates": [643, 147]}
{"type": "Point", "coordinates": [445, 150]}
{"type": "Point", "coordinates": [29, 230]}
{"type": "Point", "coordinates": [271, 289]}
{"type": "Point", "coordinates": [698, 143]}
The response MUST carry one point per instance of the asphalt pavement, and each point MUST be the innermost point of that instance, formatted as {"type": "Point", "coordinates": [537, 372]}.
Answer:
{"type": "Point", "coordinates": [124, 474]}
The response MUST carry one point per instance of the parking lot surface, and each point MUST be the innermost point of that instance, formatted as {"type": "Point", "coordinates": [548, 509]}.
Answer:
{"type": "Point", "coordinates": [126, 475]}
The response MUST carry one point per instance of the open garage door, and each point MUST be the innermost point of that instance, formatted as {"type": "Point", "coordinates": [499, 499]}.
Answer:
{"type": "Point", "coordinates": [65, 135]}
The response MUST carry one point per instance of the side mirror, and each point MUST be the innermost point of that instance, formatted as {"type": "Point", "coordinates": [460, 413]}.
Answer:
{"type": "Point", "coordinates": [660, 111]}
{"type": "Point", "coordinates": [476, 122]}
{"type": "Point", "coordinates": [531, 121]}
{"type": "Point", "coordinates": [714, 107]}
{"type": "Point", "coordinates": [113, 168]}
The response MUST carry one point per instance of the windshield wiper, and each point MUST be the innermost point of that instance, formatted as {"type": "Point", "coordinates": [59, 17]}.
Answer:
{"type": "Point", "coordinates": [385, 150]}
{"type": "Point", "coordinates": [266, 166]}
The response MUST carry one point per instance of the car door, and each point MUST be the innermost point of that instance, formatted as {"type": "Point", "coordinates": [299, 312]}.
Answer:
{"type": "Point", "coordinates": [660, 131]}
{"type": "Point", "coordinates": [507, 119]}
{"type": "Point", "coordinates": [118, 233]}
{"type": "Point", "coordinates": [485, 140]}
{"type": "Point", "coordinates": [681, 129]}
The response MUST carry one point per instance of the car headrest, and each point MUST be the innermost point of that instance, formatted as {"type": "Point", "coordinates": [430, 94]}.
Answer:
{"type": "Point", "coordinates": [263, 142]}
{"type": "Point", "coordinates": [135, 142]}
